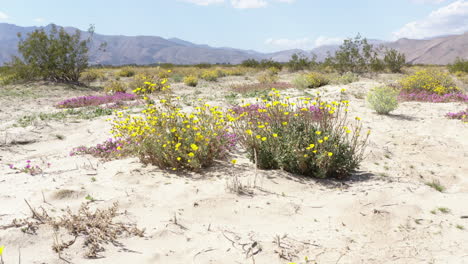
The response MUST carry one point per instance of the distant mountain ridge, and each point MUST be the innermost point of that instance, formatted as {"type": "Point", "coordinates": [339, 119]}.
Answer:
{"type": "Point", "coordinates": [142, 50]}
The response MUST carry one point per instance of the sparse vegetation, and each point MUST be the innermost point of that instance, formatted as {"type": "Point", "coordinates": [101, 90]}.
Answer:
{"type": "Point", "coordinates": [191, 80]}
{"type": "Point", "coordinates": [436, 185]}
{"type": "Point", "coordinates": [310, 80]}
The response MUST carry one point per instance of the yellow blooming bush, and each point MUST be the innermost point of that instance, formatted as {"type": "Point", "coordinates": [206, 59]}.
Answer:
{"type": "Point", "coordinates": [431, 81]}
{"type": "Point", "coordinates": [191, 80]}
{"type": "Point", "coordinates": [174, 139]}
{"type": "Point", "coordinates": [126, 72]}
{"type": "Point", "coordinates": [311, 80]}
{"type": "Point", "coordinates": [308, 136]}
{"type": "Point", "coordinates": [269, 76]}
{"type": "Point", "coordinates": [210, 75]}
{"type": "Point", "coordinates": [115, 87]}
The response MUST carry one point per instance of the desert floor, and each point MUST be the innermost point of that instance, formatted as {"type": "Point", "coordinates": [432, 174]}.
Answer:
{"type": "Point", "coordinates": [385, 213]}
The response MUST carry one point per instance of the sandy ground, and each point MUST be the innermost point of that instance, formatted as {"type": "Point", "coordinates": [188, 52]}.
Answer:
{"type": "Point", "coordinates": [381, 215]}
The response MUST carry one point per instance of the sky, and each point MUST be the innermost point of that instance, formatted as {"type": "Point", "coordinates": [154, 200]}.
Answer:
{"type": "Point", "coordinates": [262, 25]}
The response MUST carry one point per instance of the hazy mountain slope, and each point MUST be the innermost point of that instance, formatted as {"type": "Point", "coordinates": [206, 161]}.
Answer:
{"type": "Point", "coordinates": [153, 49]}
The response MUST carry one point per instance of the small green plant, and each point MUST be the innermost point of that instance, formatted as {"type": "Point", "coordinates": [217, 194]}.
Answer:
{"type": "Point", "coordinates": [115, 87]}
{"type": "Point", "coordinates": [310, 80]}
{"type": "Point", "coordinates": [191, 80]}
{"type": "Point", "coordinates": [92, 75]}
{"type": "Point", "coordinates": [436, 185]}
{"type": "Point", "coordinates": [460, 227]}
{"type": "Point", "coordinates": [382, 99]}
{"type": "Point", "coordinates": [444, 210]}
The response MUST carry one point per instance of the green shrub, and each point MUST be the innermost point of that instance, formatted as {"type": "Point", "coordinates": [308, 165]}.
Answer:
{"type": "Point", "coordinates": [310, 80]}
{"type": "Point", "coordinates": [191, 80]}
{"type": "Point", "coordinates": [54, 56]}
{"type": "Point", "coordinates": [383, 99]}
{"type": "Point", "coordinates": [126, 72]}
{"type": "Point", "coordinates": [177, 77]}
{"type": "Point", "coordinates": [307, 137]}
{"type": "Point", "coordinates": [460, 65]}
{"type": "Point", "coordinates": [92, 75]}
{"type": "Point", "coordinates": [115, 87]}
{"type": "Point", "coordinates": [394, 60]}
{"type": "Point", "coordinates": [209, 75]}
{"type": "Point", "coordinates": [348, 78]}
{"type": "Point", "coordinates": [267, 77]}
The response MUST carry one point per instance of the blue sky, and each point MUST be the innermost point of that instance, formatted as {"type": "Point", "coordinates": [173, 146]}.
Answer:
{"type": "Point", "coordinates": [263, 25]}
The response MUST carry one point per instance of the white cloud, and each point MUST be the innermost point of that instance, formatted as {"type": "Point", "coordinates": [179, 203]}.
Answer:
{"type": "Point", "coordinates": [205, 2]}
{"type": "Point", "coordinates": [322, 41]}
{"type": "Point", "coordinates": [243, 4]}
{"type": "Point", "coordinates": [302, 43]}
{"type": "Point", "coordinates": [39, 20]}
{"type": "Point", "coordinates": [450, 19]}
{"type": "Point", "coordinates": [3, 16]}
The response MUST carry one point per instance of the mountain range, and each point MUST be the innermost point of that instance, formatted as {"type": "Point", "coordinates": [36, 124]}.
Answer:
{"type": "Point", "coordinates": [142, 50]}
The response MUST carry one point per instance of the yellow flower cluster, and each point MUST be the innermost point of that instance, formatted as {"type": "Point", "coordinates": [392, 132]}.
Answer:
{"type": "Point", "coordinates": [170, 138]}
{"type": "Point", "coordinates": [430, 81]}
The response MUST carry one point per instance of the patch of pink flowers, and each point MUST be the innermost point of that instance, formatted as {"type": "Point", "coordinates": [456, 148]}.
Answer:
{"type": "Point", "coordinates": [95, 100]}
{"type": "Point", "coordinates": [29, 168]}
{"type": "Point", "coordinates": [462, 115]}
{"type": "Point", "coordinates": [423, 96]}
{"type": "Point", "coordinates": [107, 150]}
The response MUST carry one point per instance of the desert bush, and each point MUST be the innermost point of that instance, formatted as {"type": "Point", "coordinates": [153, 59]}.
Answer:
{"type": "Point", "coordinates": [142, 80]}
{"type": "Point", "coordinates": [310, 80]}
{"type": "Point", "coordinates": [394, 60]}
{"type": "Point", "coordinates": [54, 56]}
{"type": "Point", "coordinates": [255, 87]}
{"type": "Point", "coordinates": [171, 139]}
{"type": "Point", "coordinates": [251, 63]}
{"type": "Point", "coordinates": [460, 65]}
{"type": "Point", "coordinates": [383, 99]}
{"type": "Point", "coordinates": [354, 55]}
{"type": "Point", "coordinates": [310, 137]}
{"type": "Point", "coordinates": [115, 87]}
{"type": "Point", "coordinates": [431, 81]}
{"type": "Point", "coordinates": [126, 72]}
{"type": "Point", "coordinates": [177, 78]}
{"type": "Point", "coordinates": [299, 62]}
{"type": "Point", "coordinates": [92, 75]}
{"type": "Point", "coordinates": [237, 71]}
{"type": "Point", "coordinates": [191, 80]}
{"type": "Point", "coordinates": [348, 78]}
{"type": "Point", "coordinates": [269, 76]}
{"type": "Point", "coordinates": [210, 75]}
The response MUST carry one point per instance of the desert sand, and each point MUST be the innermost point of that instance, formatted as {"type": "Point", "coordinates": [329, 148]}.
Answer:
{"type": "Point", "coordinates": [385, 213]}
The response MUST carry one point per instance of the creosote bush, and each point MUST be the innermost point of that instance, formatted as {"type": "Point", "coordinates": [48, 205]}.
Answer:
{"type": "Point", "coordinates": [191, 80]}
{"type": "Point", "coordinates": [460, 65]}
{"type": "Point", "coordinates": [383, 99]}
{"type": "Point", "coordinates": [310, 80]}
{"type": "Point", "coordinates": [308, 136]}
{"type": "Point", "coordinates": [269, 76]}
{"type": "Point", "coordinates": [431, 81]}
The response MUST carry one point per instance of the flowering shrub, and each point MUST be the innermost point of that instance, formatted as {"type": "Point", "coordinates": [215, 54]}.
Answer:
{"type": "Point", "coordinates": [172, 139]}
{"type": "Point", "coordinates": [310, 80]}
{"type": "Point", "coordinates": [255, 87]}
{"type": "Point", "coordinates": [92, 75]}
{"type": "Point", "coordinates": [29, 168]}
{"type": "Point", "coordinates": [210, 75]}
{"type": "Point", "coordinates": [95, 100]}
{"type": "Point", "coordinates": [348, 78]}
{"type": "Point", "coordinates": [424, 96]}
{"type": "Point", "coordinates": [462, 115]}
{"type": "Point", "coordinates": [126, 72]}
{"type": "Point", "coordinates": [383, 99]}
{"type": "Point", "coordinates": [431, 81]}
{"type": "Point", "coordinates": [111, 148]}
{"type": "Point", "coordinates": [115, 87]}
{"type": "Point", "coordinates": [269, 76]}
{"type": "Point", "coordinates": [191, 80]}
{"type": "Point", "coordinates": [309, 136]}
